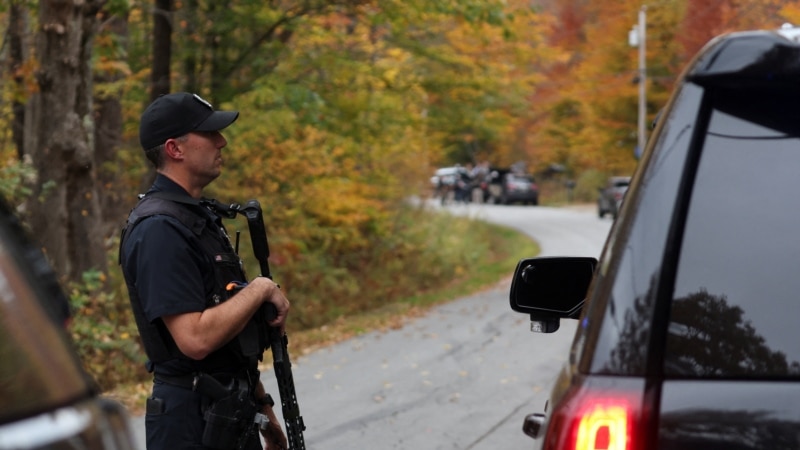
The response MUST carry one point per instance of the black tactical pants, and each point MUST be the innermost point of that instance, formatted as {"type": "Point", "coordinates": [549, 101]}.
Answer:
{"type": "Point", "coordinates": [174, 420]}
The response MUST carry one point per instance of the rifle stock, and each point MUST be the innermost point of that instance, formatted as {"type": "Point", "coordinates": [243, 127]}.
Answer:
{"type": "Point", "coordinates": [278, 341]}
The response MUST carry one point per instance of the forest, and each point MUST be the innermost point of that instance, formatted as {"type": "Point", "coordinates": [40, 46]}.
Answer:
{"type": "Point", "coordinates": [347, 107]}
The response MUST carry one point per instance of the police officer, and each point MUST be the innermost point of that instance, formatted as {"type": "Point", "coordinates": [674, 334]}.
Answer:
{"type": "Point", "coordinates": [203, 340]}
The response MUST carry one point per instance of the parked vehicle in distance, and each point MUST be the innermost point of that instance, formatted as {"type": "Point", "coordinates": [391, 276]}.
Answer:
{"type": "Point", "coordinates": [687, 335]}
{"type": "Point", "coordinates": [610, 199]}
{"type": "Point", "coordinates": [46, 398]}
{"type": "Point", "coordinates": [505, 186]}
{"type": "Point", "coordinates": [519, 189]}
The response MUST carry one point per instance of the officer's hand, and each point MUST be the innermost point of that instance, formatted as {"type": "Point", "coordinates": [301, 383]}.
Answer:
{"type": "Point", "coordinates": [273, 435]}
{"type": "Point", "coordinates": [273, 294]}
{"type": "Point", "coordinates": [274, 439]}
{"type": "Point", "coordinates": [282, 306]}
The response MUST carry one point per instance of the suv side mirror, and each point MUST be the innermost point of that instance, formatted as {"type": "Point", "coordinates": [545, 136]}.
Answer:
{"type": "Point", "coordinates": [551, 288]}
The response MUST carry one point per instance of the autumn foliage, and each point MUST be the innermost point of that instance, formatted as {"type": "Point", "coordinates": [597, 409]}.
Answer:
{"type": "Point", "coordinates": [348, 106]}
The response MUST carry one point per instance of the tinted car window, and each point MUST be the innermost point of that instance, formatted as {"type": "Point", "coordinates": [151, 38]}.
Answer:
{"type": "Point", "coordinates": [621, 302]}
{"type": "Point", "coordinates": [735, 306]}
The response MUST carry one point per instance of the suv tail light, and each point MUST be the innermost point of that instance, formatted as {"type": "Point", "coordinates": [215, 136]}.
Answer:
{"type": "Point", "coordinates": [597, 419]}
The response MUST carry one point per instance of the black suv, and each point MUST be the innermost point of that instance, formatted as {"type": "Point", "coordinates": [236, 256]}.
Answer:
{"type": "Point", "coordinates": [46, 398]}
{"type": "Point", "coordinates": [688, 333]}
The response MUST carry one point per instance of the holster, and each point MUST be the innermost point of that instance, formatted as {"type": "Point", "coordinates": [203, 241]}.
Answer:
{"type": "Point", "coordinates": [230, 414]}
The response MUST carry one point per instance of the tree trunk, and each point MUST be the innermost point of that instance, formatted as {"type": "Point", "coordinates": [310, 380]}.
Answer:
{"type": "Point", "coordinates": [160, 75]}
{"type": "Point", "coordinates": [190, 49]}
{"type": "Point", "coordinates": [64, 211]}
{"type": "Point", "coordinates": [162, 48]}
{"type": "Point", "coordinates": [18, 53]}
{"type": "Point", "coordinates": [115, 198]}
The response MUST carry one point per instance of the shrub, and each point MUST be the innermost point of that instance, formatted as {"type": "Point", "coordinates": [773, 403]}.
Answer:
{"type": "Point", "coordinates": [104, 331]}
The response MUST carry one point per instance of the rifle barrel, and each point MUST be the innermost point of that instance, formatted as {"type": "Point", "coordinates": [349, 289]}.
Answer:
{"type": "Point", "coordinates": [278, 342]}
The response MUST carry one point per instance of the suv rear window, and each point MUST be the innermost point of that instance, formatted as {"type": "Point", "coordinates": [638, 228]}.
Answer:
{"type": "Point", "coordinates": [736, 301]}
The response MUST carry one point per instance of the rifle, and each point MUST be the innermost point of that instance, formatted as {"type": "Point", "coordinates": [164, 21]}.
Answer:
{"type": "Point", "coordinates": [278, 341]}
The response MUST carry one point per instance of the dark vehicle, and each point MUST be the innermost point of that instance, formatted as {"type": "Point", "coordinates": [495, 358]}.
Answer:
{"type": "Point", "coordinates": [610, 199]}
{"type": "Point", "coordinates": [505, 187]}
{"type": "Point", "coordinates": [46, 399]}
{"type": "Point", "coordinates": [687, 335]}
{"type": "Point", "coordinates": [519, 189]}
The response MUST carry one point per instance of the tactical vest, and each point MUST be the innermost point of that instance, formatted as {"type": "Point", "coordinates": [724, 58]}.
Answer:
{"type": "Point", "coordinates": [248, 346]}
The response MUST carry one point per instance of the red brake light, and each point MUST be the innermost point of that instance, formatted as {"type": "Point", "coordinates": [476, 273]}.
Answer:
{"type": "Point", "coordinates": [604, 426]}
{"type": "Point", "coordinates": [589, 420]}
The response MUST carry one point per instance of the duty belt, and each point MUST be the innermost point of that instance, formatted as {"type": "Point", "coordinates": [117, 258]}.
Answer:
{"type": "Point", "coordinates": [206, 384]}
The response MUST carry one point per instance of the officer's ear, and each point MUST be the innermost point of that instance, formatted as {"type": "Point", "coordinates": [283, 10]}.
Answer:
{"type": "Point", "coordinates": [173, 148]}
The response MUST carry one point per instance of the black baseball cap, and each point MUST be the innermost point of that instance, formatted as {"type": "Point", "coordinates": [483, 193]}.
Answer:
{"type": "Point", "coordinates": [173, 115]}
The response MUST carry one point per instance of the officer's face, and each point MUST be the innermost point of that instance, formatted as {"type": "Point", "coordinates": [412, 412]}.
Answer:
{"type": "Point", "coordinates": [202, 152]}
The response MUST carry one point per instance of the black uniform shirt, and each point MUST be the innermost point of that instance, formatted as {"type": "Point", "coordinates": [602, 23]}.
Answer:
{"type": "Point", "coordinates": [172, 275]}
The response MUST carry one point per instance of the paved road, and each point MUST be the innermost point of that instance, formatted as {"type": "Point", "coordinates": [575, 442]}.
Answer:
{"type": "Point", "coordinates": [461, 377]}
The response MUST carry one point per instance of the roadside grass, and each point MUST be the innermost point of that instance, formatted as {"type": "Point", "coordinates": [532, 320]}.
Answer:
{"type": "Point", "coordinates": [507, 247]}
{"type": "Point", "coordinates": [501, 249]}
